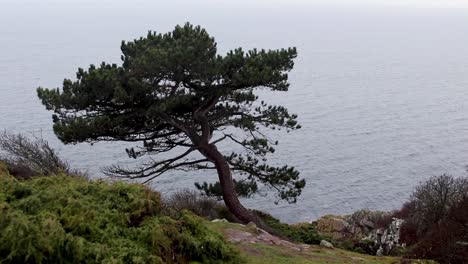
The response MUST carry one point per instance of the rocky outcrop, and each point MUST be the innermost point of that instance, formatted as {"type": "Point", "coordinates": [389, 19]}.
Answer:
{"type": "Point", "coordinates": [384, 240]}
{"type": "Point", "coordinates": [333, 226]}
{"type": "Point", "coordinates": [363, 222]}
{"type": "Point", "coordinates": [356, 226]}
{"type": "Point", "coordinates": [379, 232]}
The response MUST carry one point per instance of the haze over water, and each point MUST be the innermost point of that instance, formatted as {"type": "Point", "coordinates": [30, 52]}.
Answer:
{"type": "Point", "coordinates": [381, 92]}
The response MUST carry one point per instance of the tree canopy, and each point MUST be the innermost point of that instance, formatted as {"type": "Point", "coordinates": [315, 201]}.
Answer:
{"type": "Point", "coordinates": [177, 96]}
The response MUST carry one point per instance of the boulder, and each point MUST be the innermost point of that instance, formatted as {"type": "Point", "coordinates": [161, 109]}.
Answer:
{"type": "Point", "coordinates": [333, 226]}
{"type": "Point", "coordinates": [380, 252]}
{"type": "Point", "coordinates": [326, 244]}
{"type": "Point", "coordinates": [251, 225]}
{"type": "Point", "coordinates": [220, 220]}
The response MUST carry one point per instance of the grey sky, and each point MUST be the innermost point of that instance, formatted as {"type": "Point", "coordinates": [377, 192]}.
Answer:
{"type": "Point", "coordinates": [271, 3]}
{"type": "Point", "coordinates": [403, 3]}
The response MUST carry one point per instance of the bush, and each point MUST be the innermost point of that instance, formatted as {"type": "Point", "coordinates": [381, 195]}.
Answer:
{"type": "Point", "coordinates": [26, 158]}
{"type": "Point", "coordinates": [302, 232]}
{"type": "Point", "coordinates": [191, 200]}
{"type": "Point", "coordinates": [409, 228]}
{"type": "Point", "coordinates": [363, 246]}
{"type": "Point", "coordinates": [72, 220]}
{"type": "Point", "coordinates": [406, 211]}
{"type": "Point", "coordinates": [433, 199]}
{"type": "Point", "coordinates": [409, 232]}
{"type": "Point", "coordinates": [436, 220]}
{"type": "Point", "coordinates": [447, 240]}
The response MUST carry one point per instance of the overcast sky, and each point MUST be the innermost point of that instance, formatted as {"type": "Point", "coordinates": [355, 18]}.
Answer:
{"type": "Point", "coordinates": [401, 3]}
{"type": "Point", "coordinates": [272, 3]}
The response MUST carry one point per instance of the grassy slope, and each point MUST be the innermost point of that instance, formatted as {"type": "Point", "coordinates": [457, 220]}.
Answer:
{"type": "Point", "coordinates": [91, 220]}
{"type": "Point", "coordinates": [257, 253]}
{"type": "Point", "coordinates": [61, 219]}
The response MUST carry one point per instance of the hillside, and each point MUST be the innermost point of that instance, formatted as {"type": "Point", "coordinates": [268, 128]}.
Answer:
{"type": "Point", "coordinates": [64, 219]}
{"type": "Point", "coordinates": [258, 247]}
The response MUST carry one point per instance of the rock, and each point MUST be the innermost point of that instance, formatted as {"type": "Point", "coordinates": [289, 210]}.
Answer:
{"type": "Point", "coordinates": [333, 226]}
{"type": "Point", "coordinates": [356, 231]}
{"type": "Point", "coordinates": [367, 223]}
{"type": "Point", "coordinates": [263, 237]}
{"type": "Point", "coordinates": [220, 220]}
{"type": "Point", "coordinates": [364, 225]}
{"type": "Point", "coordinates": [385, 239]}
{"type": "Point", "coordinates": [326, 244]}
{"type": "Point", "coordinates": [379, 232]}
{"type": "Point", "coordinates": [363, 222]}
{"type": "Point", "coordinates": [356, 226]}
{"type": "Point", "coordinates": [380, 252]}
{"type": "Point", "coordinates": [251, 225]}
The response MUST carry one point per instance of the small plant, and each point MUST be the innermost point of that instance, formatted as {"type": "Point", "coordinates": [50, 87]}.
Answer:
{"type": "Point", "coordinates": [364, 246]}
{"type": "Point", "coordinates": [27, 157]}
{"type": "Point", "coordinates": [302, 232]}
{"type": "Point", "coordinates": [192, 201]}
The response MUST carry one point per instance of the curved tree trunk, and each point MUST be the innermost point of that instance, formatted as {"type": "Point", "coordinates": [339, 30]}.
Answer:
{"type": "Point", "coordinates": [230, 198]}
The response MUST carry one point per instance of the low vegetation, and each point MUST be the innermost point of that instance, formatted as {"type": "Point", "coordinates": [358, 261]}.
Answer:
{"type": "Point", "coordinates": [56, 218]}
{"type": "Point", "coordinates": [210, 208]}
{"type": "Point", "coordinates": [62, 219]}
{"type": "Point", "coordinates": [192, 201]}
{"type": "Point", "coordinates": [302, 232]}
{"type": "Point", "coordinates": [257, 252]}
{"type": "Point", "coordinates": [26, 157]}
{"type": "Point", "coordinates": [65, 219]}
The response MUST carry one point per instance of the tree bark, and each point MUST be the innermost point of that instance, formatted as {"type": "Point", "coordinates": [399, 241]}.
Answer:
{"type": "Point", "coordinates": [230, 198]}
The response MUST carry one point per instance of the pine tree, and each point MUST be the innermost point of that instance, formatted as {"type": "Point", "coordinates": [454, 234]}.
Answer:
{"type": "Point", "coordinates": [179, 99]}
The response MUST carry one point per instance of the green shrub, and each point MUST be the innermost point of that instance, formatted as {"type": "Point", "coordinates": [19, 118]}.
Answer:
{"type": "Point", "coordinates": [63, 219]}
{"type": "Point", "coordinates": [3, 168]}
{"type": "Point", "coordinates": [362, 246]}
{"type": "Point", "coordinates": [302, 232]}
{"type": "Point", "coordinates": [398, 251]}
{"type": "Point", "coordinates": [192, 201]}
{"type": "Point", "coordinates": [346, 244]}
{"type": "Point", "coordinates": [203, 206]}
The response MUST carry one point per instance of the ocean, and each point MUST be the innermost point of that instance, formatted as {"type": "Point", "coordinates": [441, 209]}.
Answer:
{"type": "Point", "coordinates": [381, 93]}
